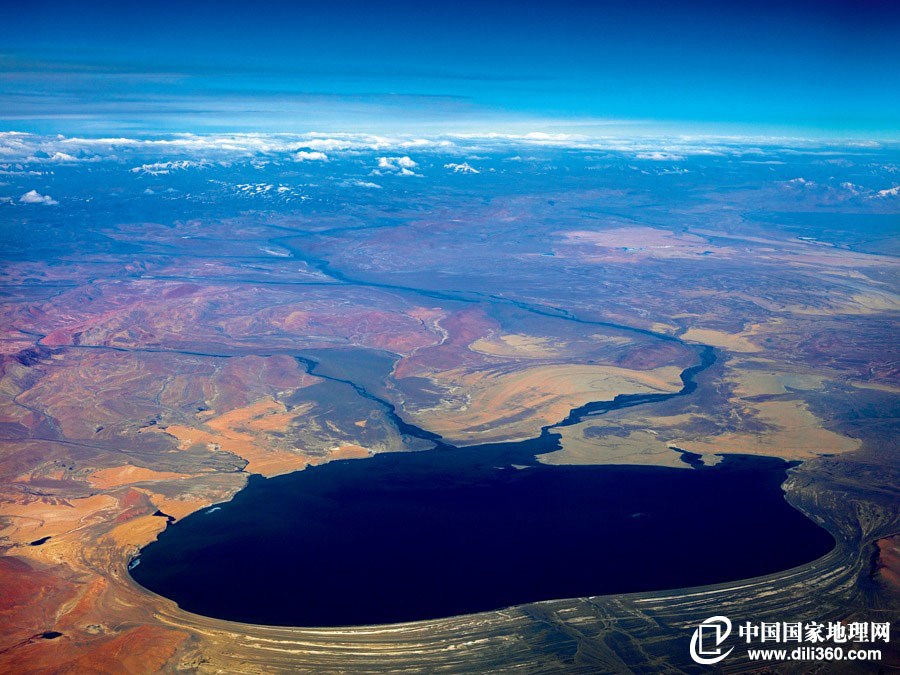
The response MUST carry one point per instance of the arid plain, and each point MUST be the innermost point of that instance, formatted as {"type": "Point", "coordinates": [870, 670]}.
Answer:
{"type": "Point", "coordinates": [149, 367]}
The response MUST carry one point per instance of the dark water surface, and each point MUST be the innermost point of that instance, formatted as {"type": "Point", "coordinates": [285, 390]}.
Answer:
{"type": "Point", "coordinates": [450, 531]}
{"type": "Point", "coordinates": [406, 536]}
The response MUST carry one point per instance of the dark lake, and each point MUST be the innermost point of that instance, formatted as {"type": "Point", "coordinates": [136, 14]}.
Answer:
{"type": "Point", "coordinates": [451, 531]}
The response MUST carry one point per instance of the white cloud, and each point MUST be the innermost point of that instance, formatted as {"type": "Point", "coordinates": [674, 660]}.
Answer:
{"type": "Point", "coordinates": [304, 156]}
{"type": "Point", "coordinates": [461, 168]}
{"type": "Point", "coordinates": [800, 181]}
{"type": "Point", "coordinates": [23, 154]}
{"type": "Point", "coordinates": [35, 197]}
{"type": "Point", "coordinates": [425, 143]}
{"type": "Point", "coordinates": [361, 184]}
{"type": "Point", "coordinates": [541, 136]}
{"type": "Point", "coordinates": [163, 168]}
{"type": "Point", "coordinates": [890, 192]}
{"type": "Point", "coordinates": [399, 166]}
{"type": "Point", "coordinates": [329, 144]}
{"type": "Point", "coordinates": [395, 163]}
{"type": "Point", "coordinates": [658, 156]}
{"type": "Point", "coordinates": [62, 157]}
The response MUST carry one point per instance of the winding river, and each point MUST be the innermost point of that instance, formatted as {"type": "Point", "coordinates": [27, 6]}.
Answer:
{"type": "Point", "coordinates": [456, 530]}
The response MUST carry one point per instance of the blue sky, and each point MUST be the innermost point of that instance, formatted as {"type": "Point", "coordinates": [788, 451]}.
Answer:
{"type": "Point", "coordinates": [815, 68]}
